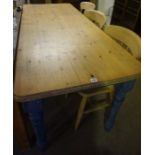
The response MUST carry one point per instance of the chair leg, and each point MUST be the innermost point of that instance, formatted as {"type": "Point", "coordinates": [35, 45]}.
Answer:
{"type": "Point", "coordinates": [80, 111]}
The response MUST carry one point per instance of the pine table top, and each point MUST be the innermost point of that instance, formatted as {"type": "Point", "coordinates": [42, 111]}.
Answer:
{"type": "Point", "coordinates": [61, 51]}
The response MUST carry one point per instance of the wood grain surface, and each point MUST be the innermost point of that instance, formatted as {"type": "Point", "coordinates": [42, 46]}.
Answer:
{"type": "Point", "coordinates": [59, 50]}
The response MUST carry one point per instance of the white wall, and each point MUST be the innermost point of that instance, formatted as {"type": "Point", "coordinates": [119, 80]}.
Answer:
{"type": "Point", "coordinates": [19, 2]}
{"type": "Point", "coordinates": [106, 6]}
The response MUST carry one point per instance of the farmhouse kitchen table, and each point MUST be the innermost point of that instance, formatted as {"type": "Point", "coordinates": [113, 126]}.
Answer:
{"type": "Point", "coordinates": [58, 51]}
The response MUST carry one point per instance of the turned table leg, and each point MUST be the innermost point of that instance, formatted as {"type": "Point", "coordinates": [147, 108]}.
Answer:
{"type": "Point", "coordinates": [34, 109]}
{"type": "Point", "coordinates": [120, 92]}
{"type": "Point", "coordinates": [19, 127]}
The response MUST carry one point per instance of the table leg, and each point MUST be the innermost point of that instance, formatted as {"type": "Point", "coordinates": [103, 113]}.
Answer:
{"type": "Point", "coordinates": [34, 110]}
{"type": "Point", "coordinates": [19, 127]}
{"type": "Point", "coordinates": [120, 92]}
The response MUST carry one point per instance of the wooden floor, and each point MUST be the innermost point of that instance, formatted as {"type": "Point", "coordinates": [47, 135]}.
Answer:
{"type": "Point", "coordinates": [91, 139]}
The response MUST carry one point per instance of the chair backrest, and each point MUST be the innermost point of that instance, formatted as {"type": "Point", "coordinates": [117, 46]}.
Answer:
{"type": "Point", "coordinates": [126, 38]}
{"type": "Point", "coordinates": [96, 16]}
{"type": "Point", "coordinates": [87, 6]}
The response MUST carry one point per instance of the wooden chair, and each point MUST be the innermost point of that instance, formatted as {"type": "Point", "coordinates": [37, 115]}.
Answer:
{"type": "Point", "coordinates": [87, 6]}
{"type": "Point", "coordinates": [94, 105]}
{"type": "Point", "coordinates": [86, 96]}
{"type": "Point", "coordinates": [96, 16]}
{"type": "Point", "coordinates": [126, 38]}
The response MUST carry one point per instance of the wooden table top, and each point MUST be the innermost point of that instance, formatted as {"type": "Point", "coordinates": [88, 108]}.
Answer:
{"type": "Point", "coordinates": [58, 51]}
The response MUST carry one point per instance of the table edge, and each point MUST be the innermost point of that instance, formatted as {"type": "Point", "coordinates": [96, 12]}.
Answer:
{"type": "Point", "coordinates": [26, 98]}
